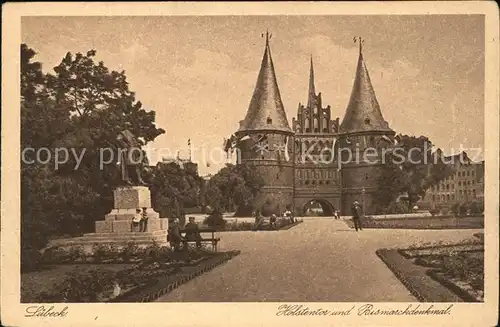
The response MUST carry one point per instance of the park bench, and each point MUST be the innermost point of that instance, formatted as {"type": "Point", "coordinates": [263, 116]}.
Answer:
{"type": "Point", "coordinates": [213, 240]}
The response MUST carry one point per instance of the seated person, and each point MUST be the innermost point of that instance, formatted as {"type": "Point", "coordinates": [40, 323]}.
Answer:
{"type": "Point", "coordinates": [259, 221]}
{"type": "Point", "coordinates": [288, 214]}
{"type": "Point", "coordinates": [272, 221]}
{"type": "Point", "coordinates": [174, 234]}
{"type": "Point", "coordinates": [134, 227]}
{"type": "Point", "coordinates": [193, 232]}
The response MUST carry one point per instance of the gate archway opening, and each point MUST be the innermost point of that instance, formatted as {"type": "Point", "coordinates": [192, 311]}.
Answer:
{"type": "Point", "coordinates": [318, 207]}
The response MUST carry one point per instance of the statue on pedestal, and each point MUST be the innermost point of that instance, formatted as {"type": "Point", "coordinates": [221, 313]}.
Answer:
{"type": "Point", "coordinates": [130, 158]}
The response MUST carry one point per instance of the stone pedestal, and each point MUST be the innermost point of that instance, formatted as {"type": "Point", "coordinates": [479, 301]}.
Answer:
{"type": "Point", "coordinates": [116, 226]}
{"type": "Point", "coordinates": [127, 200]}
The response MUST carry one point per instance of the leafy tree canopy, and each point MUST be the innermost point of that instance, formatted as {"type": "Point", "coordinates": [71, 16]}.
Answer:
{"type": "Point", "coordinates": [81, 106]}
{"type": "Point", "coordinates": [410, 168]}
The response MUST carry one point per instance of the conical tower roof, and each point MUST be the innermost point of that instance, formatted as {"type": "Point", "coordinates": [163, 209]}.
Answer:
{"type": "Point", "coordinates": [363, 111]}
{"type": "Point", "coordinates": [266, 111]}
{"type": "Point", "coordinates": [311, 96]}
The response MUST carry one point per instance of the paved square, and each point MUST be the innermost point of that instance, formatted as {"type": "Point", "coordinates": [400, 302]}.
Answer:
{"type": "Point", "coordinates": [318, 260]}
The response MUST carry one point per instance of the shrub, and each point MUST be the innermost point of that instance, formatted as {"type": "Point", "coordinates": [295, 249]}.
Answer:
{"type": "Point", "coordinates": [463, 208]}
{"type": "Point", "coordinates": [101, 252]}
{"type": "Point", "coordinates": [445, 211]}
{"type": "Point", "coordinates": [155, 253]}
{"type": "Point", "coordinates": [476, 207]}
{"type": "Point", "coordinates": [81, 286]}
{"type": "Point", "coordinates": [129, 251]}
{"type": "Point", "coordinates": [269, 208]}
{"type": "Point", "coordinates": [76, 253]}
{"type": "Point", "coordinates": [435, 210]}
{"type": "Point", "coordinates": [397, 208]}
{"type": "Point", "coordinates": [465, 267]}
{"type": "Point", "coordinates": [55, 255]}
{"type": "Point", "coordinates": [215, 220]}
{"type": "Point", "coordinates": [455, 208]}
{"type": "Point", "coordinates": [239, 226]}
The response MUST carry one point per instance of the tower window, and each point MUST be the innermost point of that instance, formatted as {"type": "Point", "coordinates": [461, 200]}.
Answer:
{"type": "Point", "coordinates": [367, 121]}
{"type": "Point", "coordinates": [269, 121]}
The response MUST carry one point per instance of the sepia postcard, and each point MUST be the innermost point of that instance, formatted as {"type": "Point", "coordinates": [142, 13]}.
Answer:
{"type": "Point", "coordinates": [250, 164]}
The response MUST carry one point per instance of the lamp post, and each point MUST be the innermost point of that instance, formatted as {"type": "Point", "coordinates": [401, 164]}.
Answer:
{"type": "Point", "coordinates": [363, 191]}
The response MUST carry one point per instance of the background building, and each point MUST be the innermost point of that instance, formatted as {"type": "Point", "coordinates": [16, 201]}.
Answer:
{"type": "Point", "coordinates": [182, 162]}
{"type": "Point", "coordinates": [465, 184]}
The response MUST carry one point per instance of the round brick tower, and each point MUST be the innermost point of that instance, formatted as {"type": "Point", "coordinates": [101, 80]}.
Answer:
{"type": "Point", "coordinates": [363, 134]}
{"type": "Point", "coordinates": [264, 138]}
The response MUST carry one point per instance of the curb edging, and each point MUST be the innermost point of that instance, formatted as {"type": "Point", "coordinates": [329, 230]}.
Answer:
{"type": "Point", "coordinates": [381, 254]}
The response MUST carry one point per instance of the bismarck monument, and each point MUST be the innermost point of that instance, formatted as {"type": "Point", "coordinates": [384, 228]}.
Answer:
{"type": "Point", "coordinates": [116, 228]}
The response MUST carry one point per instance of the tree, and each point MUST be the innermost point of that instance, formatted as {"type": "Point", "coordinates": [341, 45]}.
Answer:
{"type": "Point", "coordinates": [234, 185]}
{"type": "Point", "coordinates": [82, 107]}
{"type": "Point", "coordinates": [174, 188]}
{"type": "Point", "coordinates": [100, 105]}
{"type": "Point", "coordinates": [409, 167]}
{"type": "Point", "coordinates": [42, 124]}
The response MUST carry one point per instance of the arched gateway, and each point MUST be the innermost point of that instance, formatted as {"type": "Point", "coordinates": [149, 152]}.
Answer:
{"type": "Point", "coordinates": [301, 163]}
{"type": "Point", "coordinates": [318, 207]}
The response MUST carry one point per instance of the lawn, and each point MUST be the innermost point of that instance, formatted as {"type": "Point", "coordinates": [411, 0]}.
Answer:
{"type": "Point", "coordinates": [422, 223]}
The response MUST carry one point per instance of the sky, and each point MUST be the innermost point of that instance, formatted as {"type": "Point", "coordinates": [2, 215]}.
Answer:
{"type": "Point", "coordinates": [198, 73]}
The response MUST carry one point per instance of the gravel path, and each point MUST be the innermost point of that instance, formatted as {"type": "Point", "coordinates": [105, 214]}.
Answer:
{"type": "Point", "coordinates": [319, 260]}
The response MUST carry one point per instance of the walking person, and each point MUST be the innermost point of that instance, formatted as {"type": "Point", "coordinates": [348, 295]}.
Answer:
{"type": "Point", "coordinates": [356, 215]}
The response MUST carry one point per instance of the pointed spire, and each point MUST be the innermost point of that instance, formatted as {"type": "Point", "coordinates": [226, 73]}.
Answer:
{"type": "Point", "coordinates": [311, 97]}
{"type": "Point", "coordinates": [266, 111]}
{"type": "Point", "coordinates": [363, 111]}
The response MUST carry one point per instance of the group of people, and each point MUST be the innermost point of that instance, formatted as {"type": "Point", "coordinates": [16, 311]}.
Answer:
{"type": "Point", "coordinates": [191, 230]}
{"type": "Point", "coordinates": [140, 220]}
{"type": "Point", "coordinates": [273, 219]}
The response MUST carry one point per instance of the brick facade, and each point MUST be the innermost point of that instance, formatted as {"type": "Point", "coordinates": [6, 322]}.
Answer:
{"type": "Point", "coordinates": [310, 169]}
